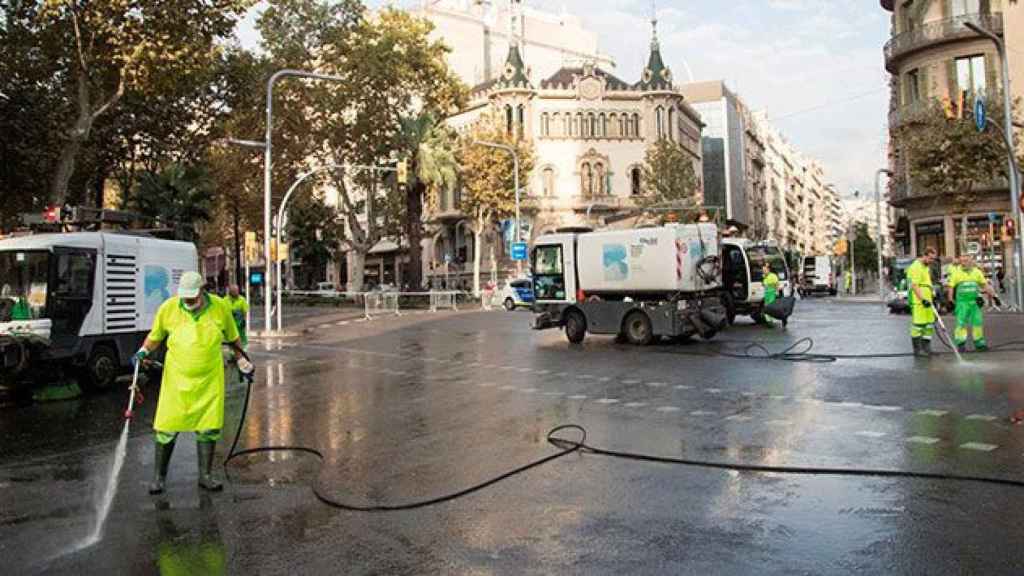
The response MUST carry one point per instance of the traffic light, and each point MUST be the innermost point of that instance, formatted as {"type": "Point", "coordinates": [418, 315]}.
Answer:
{"type": "Point", "coordinates": [403, 173]}
{"type": "Point", "coordinates": [52, 214]}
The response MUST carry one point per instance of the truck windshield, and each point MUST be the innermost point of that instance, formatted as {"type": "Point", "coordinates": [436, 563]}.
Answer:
{"type": "Point", "coordinates": [771, 255]}
{"type": "Point", "coordinates": [548, 274]}
{"type": "Point", "coordinates": [23, 281]}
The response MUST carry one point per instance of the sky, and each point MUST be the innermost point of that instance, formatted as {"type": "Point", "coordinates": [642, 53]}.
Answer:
{"type": "Point", "coordinates": [815, 66]}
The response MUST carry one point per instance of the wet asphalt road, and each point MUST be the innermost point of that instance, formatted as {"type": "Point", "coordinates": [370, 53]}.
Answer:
{"type": "Point", "coordinates": [413, 407]}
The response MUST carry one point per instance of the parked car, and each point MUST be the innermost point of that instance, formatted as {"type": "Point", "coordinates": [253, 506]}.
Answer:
{"type": "Point", "coordinates": [517, 294]}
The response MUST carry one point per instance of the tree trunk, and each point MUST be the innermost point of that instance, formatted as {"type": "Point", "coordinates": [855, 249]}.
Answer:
{"type": "Point", "coordinates": [477, 236]}
{"type": "Point", "coordinates": [357, 276]}
{"type": "Point", "coordinates": [414, 234]}
{"type": "Point", "coordinates": [65, 169]}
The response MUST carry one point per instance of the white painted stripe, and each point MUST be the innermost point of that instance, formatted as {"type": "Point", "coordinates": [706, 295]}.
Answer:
{"type": "Point", "coordinates": [739, 418]}
{"type": "Point", "coordinates": [578, 397]}
{"type": "Point", "coordinates": [683, 387]}
{"type": "Point", "coordinates": [883, 408]}
{"type": "Point", "coordinates": [554, 394]}
{"type": "Point", "coordinates": [778, 423]}
{"type": "Point", "coordinates": [979, 446]}
{"type": "Point", "coordinates": [936, 413]}
{"type": "Point", "coordinates": [869, 434]}
{"type": "Point", "coordinates": [667, 409]}
{"type": "Point", "coordinates": [529, 390]}
{"type": "Point", "coordinates": [777, 397]}
{"type": "Point", "coordinates": [928, 440]}
{"type": "Point", "coordinates": [701, 413]}
{"type": "Point", "coordinates": [713, 390]}
{"type": "Point", "coordinates": [508, 388]}
{"type": "Point", "coordinates": [982, 417]}
{"type": "Point", "coordinates": [487, 384]}
{"type": "Point", "coordinates": [635, 404]}
{"type": "Point", "coordinates": [656, 384]}
{"type": "Point", "coordinates": [608, 401]}
{"type": "Point", "coordinates": [630, 382]}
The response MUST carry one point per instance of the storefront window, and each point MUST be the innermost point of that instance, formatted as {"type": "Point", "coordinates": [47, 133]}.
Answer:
{"type": "Point", "coordinates": [983, 240]}
{"type": "Point", "coordinates": [930, 235]}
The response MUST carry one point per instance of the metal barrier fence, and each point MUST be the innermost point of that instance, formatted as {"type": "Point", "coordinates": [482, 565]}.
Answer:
{"type": "Point", "coordinates": [443, 301]}
{"type": "Point", "coordinates": [381, 303]}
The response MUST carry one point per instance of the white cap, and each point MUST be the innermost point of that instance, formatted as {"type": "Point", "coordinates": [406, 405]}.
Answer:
{"type": "Point", "coordinates": [190, 285]}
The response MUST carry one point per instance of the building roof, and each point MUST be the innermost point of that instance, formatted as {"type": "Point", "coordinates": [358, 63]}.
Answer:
{"type": "Point", "coordinates": [568, 74]}
{"type": "Point", "coordinates": [656, 75]}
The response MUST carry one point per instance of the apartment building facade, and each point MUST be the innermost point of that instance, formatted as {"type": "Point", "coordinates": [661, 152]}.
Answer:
{"type": "Point", "coordinates": [933, 56]}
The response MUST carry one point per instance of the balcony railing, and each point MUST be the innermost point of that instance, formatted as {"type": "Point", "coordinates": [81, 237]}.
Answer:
{"type": "Point", "coordinates": [904, 114]}
{"type": "Point", "coordinates": [938, 32]}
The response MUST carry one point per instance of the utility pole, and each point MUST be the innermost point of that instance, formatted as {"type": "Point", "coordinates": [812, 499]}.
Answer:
{"type": "Point", "coordinates": [1018, 240]}
{"type": "Point", "coordinates": [880, 244]}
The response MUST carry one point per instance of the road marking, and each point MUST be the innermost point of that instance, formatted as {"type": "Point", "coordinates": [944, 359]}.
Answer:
{"type": "Point", "coordinates": [883, 408]}
{"type": "Point", "coordinates": [635, 404]}
{"type": "Point", "coordinates": [749, 394]}
{"type": "Point", "coordinates": [713, 390]}
{"type": "Point", "coordinates": [345, 323]}
{"type": "Point", "coordinates": [553, 394]}
{"type": "Point", "coordinates": [578, 397]}
{"type": "Point", "coordinates": [585, 377]}
{"type": "Point", "coordinates": [928, 440]}
{"type": "Point", "coordinates": [667, 409]}
{"type": "Point", "coordinates": [630, 382]}
{"type": "Point", "coordinates": [508, 387]}
{"type": "Point", "coordinates": [739, 418]}
{"type": "Point", "coordinates": [544, 372]}
{"type": "Point", "coordinates": [683, 387]}
{"type": "Point", "coordinates": [605, 379]}
{"type": "Point", "coordinates": [979, 446]}
{"type": "Point", "coordinates": [982, 417]}
{"type": "Point", "coordinates": [777, 423]}
{"type": "Point", "coordinates": [529, 390]}
{"type": "Point", "coordinates": [850, 404]}
{"type": "Point", "coordinates": [777, 397]}
{"type": "Point", "coordinates": [525, 370]}
{"type": "Point", "coordinates": [607, 401]}
{"type": "Point", "coordinates": [869, 434]}
{"type": "Point", "coordinates": [487, 384]}
{"type": "Point", "coordinates": [935, 413]}
{"type": "Point", "coordinates": [701, 413]}
{"type": "Point", "coordinates": [656, 384]}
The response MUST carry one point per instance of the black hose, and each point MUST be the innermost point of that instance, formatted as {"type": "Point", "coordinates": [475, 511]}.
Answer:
{"type": "Point", "coordinates": [567, 447]}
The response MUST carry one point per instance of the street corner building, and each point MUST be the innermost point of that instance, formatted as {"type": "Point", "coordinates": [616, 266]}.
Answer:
{"type": "Point", "coordinates": [932, 56]}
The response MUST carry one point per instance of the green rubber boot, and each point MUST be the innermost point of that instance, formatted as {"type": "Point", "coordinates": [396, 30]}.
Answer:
{"type": "Point", "coordinates": [161, 461]}
{"type": "Point", "coordinates": [204, 454]}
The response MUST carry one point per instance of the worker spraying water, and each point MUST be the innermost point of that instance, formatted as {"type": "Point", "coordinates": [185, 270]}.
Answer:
{"type": "Point", "coordinates": [966, 285]}
{"type": "Point", "coordinates": [921, 296]}
{"type": "Point", "coordinates": [194, 325]}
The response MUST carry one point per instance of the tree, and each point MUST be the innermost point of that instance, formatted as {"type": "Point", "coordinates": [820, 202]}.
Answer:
{"type": "Point", "coordinates": [488, 188]}
{"type": "Point", "coordinates": [178, 195]}
{"type": "Point", "coordinates": [122, 46]}
{"type": "Point", "coordinates": [865, 250]}
{"type": "Point", "coordinates": [949, 156]}
{"type": "Point", "coordinates": [315, 231]}
{"type": "Point", "coordinates": [433, 167]}
{"type": "Point", "coordinates": [392, 70]}
{"type": "Point", "coordinates": [668, 176]}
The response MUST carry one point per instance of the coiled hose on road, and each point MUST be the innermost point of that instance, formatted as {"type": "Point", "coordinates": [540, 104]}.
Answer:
{"type": "Point", "coordinates": [800, 351]}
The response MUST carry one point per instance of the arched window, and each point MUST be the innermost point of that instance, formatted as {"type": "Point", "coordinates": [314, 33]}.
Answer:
{"type": "Point", "coordinates": [671, 124]}
{"type": "Point", "coordinates": [566, 126]}
{"type": "Point", "coordinates": [548, 182]}
{"type": "Point", "coordinates": [600, 176]}
{"type": "Point", "coordinates": [545, 125]}
{"type": "Point", "coordinates": [521, 122]}
{"type": "Point", "coordinates": [576, 125]}
{"type": "Point", "coordinates": [614, 128]}
{"type": "Point", "coordinates": [636, 126]}
{"type": "Point", "coordinates": [555, 121]}
{"type": "Point", "coordinates": [603, 133]}
{"type": "Point", "coordinates": [509, 120]}
{"type": "Point", "coordinates": [593, 125]}
{"type": "Point", "coordinates": [635, 182]}
{"type": "Point", "coordinates": [587, 180]}
{"type": "Point", "coordinates": [659, 116]}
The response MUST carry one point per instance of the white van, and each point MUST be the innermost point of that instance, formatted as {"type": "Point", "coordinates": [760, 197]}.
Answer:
{"type": "Point", "coordinates": [818, 276]}
{"type": "Point", "coordinates": [80, 304]}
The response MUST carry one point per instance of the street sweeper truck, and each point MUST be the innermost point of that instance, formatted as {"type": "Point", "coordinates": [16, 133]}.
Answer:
{"type": "Point", "coordinates": [638, 284]}
{"type": "Point", "coordinates": [78, 305]}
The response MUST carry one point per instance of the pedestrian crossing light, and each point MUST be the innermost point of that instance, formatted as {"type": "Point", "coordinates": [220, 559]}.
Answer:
{"type": "Point", "coordinates": [403, 173]}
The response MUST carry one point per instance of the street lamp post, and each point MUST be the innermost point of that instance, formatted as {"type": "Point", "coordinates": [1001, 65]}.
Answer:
{"type": "Point", "coordinates": [853, 253]}
{"type": "Point", "coordinates": [878, 215]}
{"type": "Point", "coordinates": [267, 146]}
{"type": "Point", "coordinates": [518, 232]}
{"type": "Point", "coordinates": [284, 207]}
{"type": "Point", "coordinates": [1018, 243]}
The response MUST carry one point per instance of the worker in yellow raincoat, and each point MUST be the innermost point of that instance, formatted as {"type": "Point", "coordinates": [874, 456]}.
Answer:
{"type": "Point", "coordinates": [193, 325]}
{"type": "Point", "coordinates": [921, 297]}
{"type": "Point", "coordinates": [240, 310]}
{"type": "Point", "coordinates": [771, 291]}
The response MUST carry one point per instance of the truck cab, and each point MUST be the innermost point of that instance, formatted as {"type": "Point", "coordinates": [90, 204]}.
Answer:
{"type": "Point", "coordinates": [742, 278]}
{"type": "Point", "coordinates": [81, 303]}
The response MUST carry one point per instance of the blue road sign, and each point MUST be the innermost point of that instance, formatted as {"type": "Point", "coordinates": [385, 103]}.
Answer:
{"type": "Point", "coordinates": [992, 216]}
{"type": "Point", "coordinates": [519, 250]}
{"type": "Point", "coordinates": [979, 114]}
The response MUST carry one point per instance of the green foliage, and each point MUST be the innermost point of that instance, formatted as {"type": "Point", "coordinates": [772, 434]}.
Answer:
{"type": "Point", "coordinates": [314, 233]}
{"type": "Point", "coordinates": [950, 156]}
{"type": "Point", "coordinates": [488, 188]}
{"type": "Point", "coordinates": [175, 195]}
{"type": "Point", "coordinates": [865, 250]}
{"type": "Point", "coordinates": [668, 176]}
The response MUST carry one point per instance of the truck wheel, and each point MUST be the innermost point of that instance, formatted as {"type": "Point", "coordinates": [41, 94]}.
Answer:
{"type": "Point", "coordinates": [575, 327]}
{"type": "Point", "coordinates": [102, 369]}
{"type": "Point", "coordinates": [510, 304]}
{"type": "Point", "coordinates": [637, 328]}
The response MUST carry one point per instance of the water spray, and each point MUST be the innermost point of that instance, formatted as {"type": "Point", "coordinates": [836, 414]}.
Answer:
{"type": "Point", "coordinates": [948, 339]}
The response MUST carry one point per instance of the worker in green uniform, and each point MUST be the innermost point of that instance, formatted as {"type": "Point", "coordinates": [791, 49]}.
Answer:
{"type": "Point", "coordinates": [966, 284]}
{"type": "Point", "coordinates": [193, 325]}
{"type": "Point", "coordinates": [848, 277]}
{"type": "Point", "coordinates": [239, 310]}
{"type": "Point", "coordinates": [771, 291]}
{"type": "Point", "coordinates": [922, 303]}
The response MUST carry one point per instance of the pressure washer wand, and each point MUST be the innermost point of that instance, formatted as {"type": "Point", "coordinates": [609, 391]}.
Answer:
{"type": "Point", "coordinates": [947, 335]}
{"type": "Point", "coordinates": [132, 390]}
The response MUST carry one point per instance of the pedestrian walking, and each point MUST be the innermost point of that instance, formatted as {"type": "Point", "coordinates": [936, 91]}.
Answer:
{"type": "Point", "coordinates": [922, 303]}
{"type": "Point", "coordinates": [848, 281]}
{"type": "Point", "coordinates": [966, 284]}
{"type": "Point", "coordinates": [193, 326]}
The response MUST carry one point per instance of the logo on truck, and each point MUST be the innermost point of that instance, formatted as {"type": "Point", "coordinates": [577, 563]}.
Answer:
{"type": "Point", "coordinates": [615, 261]}
{"type": "Point", "coordinates": [156, 288]}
